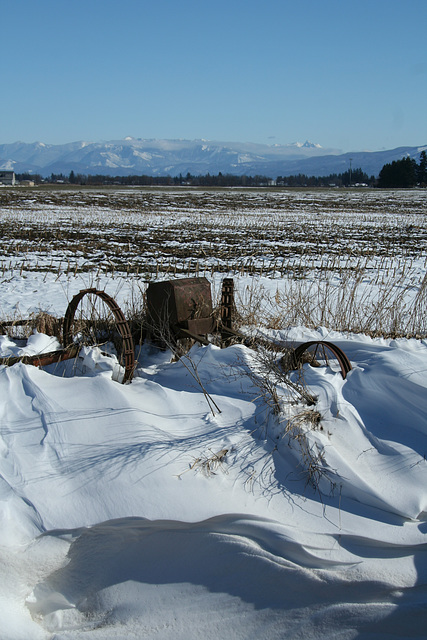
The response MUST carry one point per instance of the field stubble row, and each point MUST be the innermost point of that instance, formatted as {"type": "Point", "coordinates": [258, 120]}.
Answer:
{"type": "Point", "coordinates": [356, 250]}
{"type": "Point", "coordinates": [256, 232]}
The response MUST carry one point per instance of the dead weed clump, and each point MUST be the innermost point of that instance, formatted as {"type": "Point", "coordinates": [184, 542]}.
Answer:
{"type": "Point", "coordinates": [208, 464]}
{"type": "Point", "coordinates": [41, 322]}
{"type": "Point", "coordinates": [290, 415]}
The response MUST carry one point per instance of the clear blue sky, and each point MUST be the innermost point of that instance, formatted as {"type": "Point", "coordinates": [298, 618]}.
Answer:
{"type": "Point", "coordinates": [346, 74]}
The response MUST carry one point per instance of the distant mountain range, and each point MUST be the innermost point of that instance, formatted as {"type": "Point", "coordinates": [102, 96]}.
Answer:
{"type": "Point", "coordinates": [198, 157]}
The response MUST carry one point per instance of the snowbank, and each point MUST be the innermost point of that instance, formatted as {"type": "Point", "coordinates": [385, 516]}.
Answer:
{"type": "Point", "coordinates": [134, 511]}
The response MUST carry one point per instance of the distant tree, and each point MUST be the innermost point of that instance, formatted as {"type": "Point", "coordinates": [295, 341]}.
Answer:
{"type": "Point", "coordinates": [58, 177]}
{"type": "Point", "coordinates": [399, 173]}
{"type": "Point", "coordinates": [31, 177]}
{"type": "Point", "coordinates": [422, 169]}
{"type": "Point", "coordinates": [81, 178]}
{"type": "Point", "coordinates": [356, 175]}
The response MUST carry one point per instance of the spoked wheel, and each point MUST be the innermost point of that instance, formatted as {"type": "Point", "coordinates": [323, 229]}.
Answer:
{"type": "Point", "coordinates": [93, 318]}
{"type": "Point", "coordinates": [323, 354]}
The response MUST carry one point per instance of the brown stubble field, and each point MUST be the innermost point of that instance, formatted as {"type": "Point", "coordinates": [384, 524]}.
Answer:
{"type": "Point", "coordinates": [352, 259]}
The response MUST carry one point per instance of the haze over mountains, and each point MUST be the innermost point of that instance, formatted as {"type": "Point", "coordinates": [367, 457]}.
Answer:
{"type": "Point", "coordinates": [173, 157]}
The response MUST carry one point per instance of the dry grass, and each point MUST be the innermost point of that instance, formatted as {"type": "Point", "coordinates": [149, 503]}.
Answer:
{"type": "Point", "coordinates": [287, 415]}
{"type": "Point", "coordinates": [22, 328]}
{"type": "Point", "coordinates": [384, 306]}
{"type": "Point", "coordinates": [210, 463]}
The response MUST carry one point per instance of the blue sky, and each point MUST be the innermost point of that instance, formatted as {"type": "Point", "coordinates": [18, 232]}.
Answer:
{"type": "Point", "coordinates": [347, 75]}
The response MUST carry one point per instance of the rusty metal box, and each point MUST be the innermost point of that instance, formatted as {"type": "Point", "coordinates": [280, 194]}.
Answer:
{"type": "Point", "coordinates": [183, 303]}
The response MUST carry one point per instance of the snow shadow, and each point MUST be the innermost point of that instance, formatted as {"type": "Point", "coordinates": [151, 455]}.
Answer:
{"type": "Point", "coordinates": [244, 557]}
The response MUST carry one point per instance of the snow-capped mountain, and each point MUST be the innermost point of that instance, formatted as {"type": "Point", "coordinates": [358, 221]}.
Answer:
{"type": "Point", "coordinates": [173, 157]}
{"type": "Point", "coordinates": [305, 145]}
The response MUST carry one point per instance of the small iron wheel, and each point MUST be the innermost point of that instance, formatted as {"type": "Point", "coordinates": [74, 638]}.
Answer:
{"type": "Point", "coordinates": [93, 318]}
{"type": "Point", "coordinates": [319, 353]}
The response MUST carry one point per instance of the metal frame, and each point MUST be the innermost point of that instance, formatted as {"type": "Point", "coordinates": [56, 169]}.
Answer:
{"type": "Point", "coordinates": [183, 329]}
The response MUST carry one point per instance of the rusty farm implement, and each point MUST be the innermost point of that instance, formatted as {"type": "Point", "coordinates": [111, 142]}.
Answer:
{"type": "Point", "coordinates": [177, 310]}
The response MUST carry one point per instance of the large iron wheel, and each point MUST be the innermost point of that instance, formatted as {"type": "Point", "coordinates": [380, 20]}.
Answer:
{"type": "Point", "coordinates": [319, 353]}
{"type": "Point", "coordinates": [93, 318]}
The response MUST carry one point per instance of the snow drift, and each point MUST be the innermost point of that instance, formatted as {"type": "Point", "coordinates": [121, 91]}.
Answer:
{"type": "Point", "coordinates": [134, 511]}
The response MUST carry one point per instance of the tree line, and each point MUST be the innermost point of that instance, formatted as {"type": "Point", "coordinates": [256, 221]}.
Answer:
{"type": "Point", "coordinates": [346, 179]}
{"type": "Point", "coordinates": [404, 173]}
{"type": "Point", "coordinates": [357, 176]}
{"type": "Point", "coordinates": [397, 174]}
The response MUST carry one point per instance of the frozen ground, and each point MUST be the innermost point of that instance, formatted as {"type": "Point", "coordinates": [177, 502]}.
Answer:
{"type": "Point", "coordinates": [291, 233]}
{"type": "Point", "coordinates": [134, 511]}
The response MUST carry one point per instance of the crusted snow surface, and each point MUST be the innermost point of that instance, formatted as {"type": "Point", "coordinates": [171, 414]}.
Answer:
{"type": "Point", "coordinates": [166, 508]}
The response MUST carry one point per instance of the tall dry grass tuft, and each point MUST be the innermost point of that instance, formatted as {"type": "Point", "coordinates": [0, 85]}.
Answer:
{"type": "Point", "coordinates": [359, 301]}
{"type": "Point", "coordinates": [22, 328]}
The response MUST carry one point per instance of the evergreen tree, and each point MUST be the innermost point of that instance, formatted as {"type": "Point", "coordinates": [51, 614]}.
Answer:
{"type": "Point", "coordinates": [399, 173]}
{"type": "Point", "coordinates": [422, 169]}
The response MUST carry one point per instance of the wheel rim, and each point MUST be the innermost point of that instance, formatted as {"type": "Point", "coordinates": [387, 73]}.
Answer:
{"type": "Point", "coordinates": [93, 318]}
{"type": "Point", "coordinates": [322, 353]}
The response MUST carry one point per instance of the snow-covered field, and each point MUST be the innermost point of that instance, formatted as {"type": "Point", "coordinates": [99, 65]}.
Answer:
{"type": "Point", "coordinates": [137, 511]}
{"type": "Point", "coordinates": [312, 246]}
{"type": "Point", "coordinates": [262, 232]}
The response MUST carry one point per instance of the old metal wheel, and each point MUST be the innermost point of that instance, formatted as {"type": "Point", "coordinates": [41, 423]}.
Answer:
{"type": "Point", "coordinates": [93, 318]}
{"type": "Point", "coordinates": [319, 353]}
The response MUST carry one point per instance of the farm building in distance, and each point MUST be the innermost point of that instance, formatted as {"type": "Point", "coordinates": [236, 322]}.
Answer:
{"type": "Point", "coordinates": [7, 177]}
